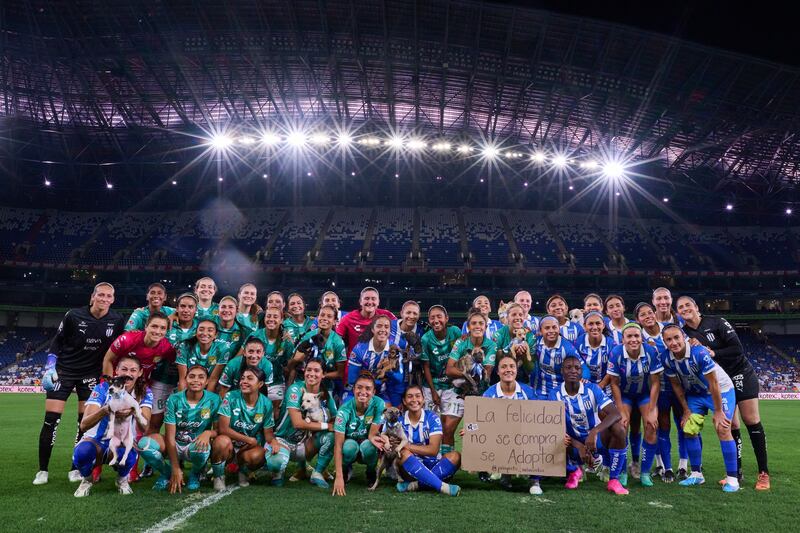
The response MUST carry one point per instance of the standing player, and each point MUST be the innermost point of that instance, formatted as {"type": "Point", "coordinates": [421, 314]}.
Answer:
{"type": "Point", "coordinates": [330, 298]}
{"type": "Point", "coordinates": [592, 302]}
{"type": "Point", "coordinates": [548, 351]}
{"type": "Point", "coordinates": [662, 301]}
{"type": "Point", "coordinates": [482, 302]}
{"type": "Point", "coordinates": [205, 289]}
{"type": "Point", "coordinates": [634, 368]}
{"type": "Point", "coordinates": [701, 384]}
{"type": "Point", "coordinates": [725, 347]}
{"type": "Point", "coordinates": [407, 323]}
{"type": "Point", "coordinates": [149, 346]}
{"type": "Point", "coordinates": [75, 363]}
{"type": "Point", "coordinates": [476, 341]}
{"type": "Point", "coordinates": [557, 307]}
{"type": "Point", "coordinates": [368, 354]}
{"type": "Point", "coordinates": [356, 322]}
{"type": "Point", "coordinates": [156, 297]}
{"type": "Point", "coordinates": [297, 323]}
{"type": "Point", "coordinates": [594, 347]}
{"type": "Point", "coordinates": [331, 355]}
{"type": "Point", "coordinates": [249, 311]}
{"type": "Point", "coordinates": [525, 299]}
{"type": "Point", "coordinates": [203, 349]}
{"type": "Point", "coordinates": [229, 329]}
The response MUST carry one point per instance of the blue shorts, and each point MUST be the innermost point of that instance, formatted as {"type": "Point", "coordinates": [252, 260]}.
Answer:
{"type": "Point", "coordinates": [702, 404]}
{"type": "Point", "coordinates": [636, 399]}
{"type": "Point", "coordinates": [666, 399]}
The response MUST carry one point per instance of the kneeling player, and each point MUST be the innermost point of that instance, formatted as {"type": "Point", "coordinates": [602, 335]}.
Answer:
{"type": "Point", "coordinates": [700, 384]}
{"type": "Point", "coordinates": [95, 422]}
{"type": "Point", "coordinates": [191, 421]}
{"type": "Point", "coordinates": [593, 426]}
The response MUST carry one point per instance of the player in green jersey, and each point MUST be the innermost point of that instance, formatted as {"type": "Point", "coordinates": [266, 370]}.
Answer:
{"type": "Point", "coordinates": [253, 356]}
{"type": "Point", "coordinates": [297, 323]}
{"type": "Point", "coordinates": [230, 330]}
{"type": "Point", "coordinates": [249, 311]}
{"type": "Point", "coordinates": [439, 394]}
{"type": "Point", "coordinates": [245, 427]}
{"type": "Point", "coordinates": [203, 349]}
{"type": "Point", "coordinates": [205, 289]}
{"type": "Point", "coordinates": [332, 354]}
{"type": "Point", "coordinates": [357, 429]}
{"type": "Point", "coordinates": [279, 349]}
{"type": "Point", "coordinates": [156, 296]}
{"type": "Point", "coordinates": [191, 422]}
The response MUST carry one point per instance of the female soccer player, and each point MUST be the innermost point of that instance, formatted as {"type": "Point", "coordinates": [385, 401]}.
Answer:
{"type": "Point", "coordinates": [248, 311]}
{"type": "Point", "coordinates": [205, 289]}
{"type": "Point", "coordinates": [203, 349]}
{"type": "Point", "coordinates": [508, 342]}
{"type": "Point", "coordinates": [368, 354]}
{"type": "Point", "coordinates": [593, 426]}
{"type": "Point", "coordinates": [662, 301]}
{"type": "Point", "coordinates": [355, 322]}
{"type": "Point", "coordinates": [278, 351]}
{"type": "Point", "coordinates": [300, 439]}
{"type": "Point", "coordinates": [330, 298]}
{"type": "Point", "coordinates": [508, 387]}
{"type": "Point", "coordinates": [94, 444]}
{"type": "Point", "coordinates": [230, 330]}
{"type": "Point", "coordinates": [439, 394]}
{"type": "Point", "coordinates": [253, 356]}
{"type": "Point", "coordinates": [548, 350]}
{"type": "Point", "coordinates": [421, 462]}
{"type": "Point", "coordinates": [557, 306]}
{"type": "Point", "coordinates": [156, 297]}
{"type": "Point", "coordinates": [615, 311]}
{"type": "Point", "coordinates": [191, 423]}
{"type": "Point", "coordinates": [276, 300]}
{"type": "Point", "coordinates": [634, 368]}
{"type": "Point", "coordinates": [245, 427]}
{"type": "Point", "coordinates": [524, 299]}
{"type": "Point", "coordinates": [701, 384]}
{"type": "Point", "coordinates": [149, 346]}
{"type": "Point", "coordinates": [482, 302]}
{"type": "Point", "coordinates": [594, 347]}
{"type": "Point", "coordinates": [723, 343]}
{"type": "Point", "coordinates": [297, 323]}
{"type": "Point", "coordinates": [408, 322]}
{"type": "Point", "coordinates": [476, 341]}
{"type": "Point", "coordinates": [592, 302]}
{"type": "Point", "coordinates": [332, 355]}
{"type": "Point", "coordinates": [356, 429]}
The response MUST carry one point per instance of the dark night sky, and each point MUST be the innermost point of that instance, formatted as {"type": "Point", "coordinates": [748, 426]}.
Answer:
{"type": "Point", "coordinates": [761, 29]}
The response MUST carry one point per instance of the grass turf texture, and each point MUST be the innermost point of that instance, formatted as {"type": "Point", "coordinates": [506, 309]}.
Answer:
{"type": "Point", "coordinates": [480, 507]}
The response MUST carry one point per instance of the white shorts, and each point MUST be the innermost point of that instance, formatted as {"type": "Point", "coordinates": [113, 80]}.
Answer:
{"type": "Point", "coordinates": [161, 392]}
{"type": "Point", "coordinates": [428, 399]}
{"type": "Point", "coordinates": [276, 392]}
{"type": "Point", "coordinates": [183, 451]}
{"type": "Point", "coordinates": [297, 452]}
{"type": "Point", "coordinates": [452, 405]}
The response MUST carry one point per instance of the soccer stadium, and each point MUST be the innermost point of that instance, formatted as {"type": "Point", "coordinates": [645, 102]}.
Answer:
{"type": "Point", "coordinates": [268, 264]}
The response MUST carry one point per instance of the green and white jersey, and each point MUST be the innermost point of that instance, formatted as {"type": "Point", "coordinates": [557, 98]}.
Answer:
{"type": "Point", "coordinates": [488, 346]}
{"type": "Point", "coordinates": [191, 420]}
{"type": "Point", "coordinates": [278, 352]}
{"type": "Point", "coordinates": [437, 352]}
{"type": "Point", "coordinates": [232, 372]}
{"type": "Point", "coordinates": [234, 335]}
{"type": "Point", "coordinates": [211, 312]}
{"type": "Point", "coordinates": [248, 325]}
{"type": "Point", "coordinates": [138, 318]}
{"type": "Point", "coordinates": [357, 427]}
{"type": "Point", "coordinates": [250, 421]}
{"type": "Point", "coordinates": [297, 330]}
{"type": "Point", "coordinates": [189, 354]}
{"type": "Point", "coordinates": [293, 400]}
{"type": "Point", "coordinates": [332, 352]}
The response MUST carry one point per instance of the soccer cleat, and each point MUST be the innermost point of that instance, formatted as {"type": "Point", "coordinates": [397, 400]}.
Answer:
{"type": "Point", "coordinates": [83, 488]}
{"type": "Point", "coordinates": [623, 479]}
{"type": "Point", "coordinates": [695, 479]}
{"type": "Point", "coordinates": [646, 480]}
{"type": "Point", "coordinates": [763, 481]}
{"type": "Point", "coordinates": [535, 489]}
{"type": "Point", "coordinates": [635, 470]}
{"type": "Point", "coordinates": [484, 477]}
{"type": "Point", "coordinates": [682, 474]}
{"type": "Point", "coordinates": [96, 473]}
{"type": "Point", "coordinates": [505, 482]}
{"type": "Point", "coordinates": [496, 476]}
{"type": "Point", "coordinates": [41, 477]}
{"type": "Point", "coordinates": [193, 483]}
{"type": "Point", "coordinates": [74, 476]}
{"type": "Point", "coordinates": [616, 487]}
{"type": "Point", "coordinates": [452, 490]}
{"type": "Point", "coordinates": [219, 484]}
{"type": "Point", "coordinates": [147, 471]}
{"type": "Point", "coordinates": [372, 476]}
{"type": "Point", "coordinates": [243, 481]}
{"type": "Point", "coordinates": [123, 486]}
{"type": "Point", "coordinates": [573, 479]}
{"type": "Point", "coordinates": [730, 487]}
{"type": "Point", "coordinates": [277, 481]}
{"type": "Point", "coordinates": [659, 471]}
{"type": "Point", "coordinates": [668, 476]}
{"type": "Point", "coordinates": [318, 480]}
{"type": "Point", "coordinates": [133, 476]}
{"type": "Point", "coordinates": [408, 486]}
{"type": "Point", "coordinates": [604, 474]}
{"type": "Point", "coordinates": [161, 483]}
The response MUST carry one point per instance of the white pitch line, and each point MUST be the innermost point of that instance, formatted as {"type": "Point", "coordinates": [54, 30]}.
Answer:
{"type": "Point", "coordinates": [176, 519]}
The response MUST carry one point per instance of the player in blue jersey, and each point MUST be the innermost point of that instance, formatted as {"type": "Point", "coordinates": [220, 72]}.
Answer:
{"type": "Point", "coordinates": [95, 442]}
{"type": "Point", "coordinates": [594, 347]}
{"type": "Point", "coordinates": [368, 354]}
{"type": "Point", "coordinates": [614, 307]}
{"type": "Point", "coordinates": [593, 426]}
{"type": "Point", "coordinates": [557, 306]}
{"type": "Point", "coordinates": [407, 323]}
{"type": "Point", "coordinates": [421, 461]}
{"type": "Point", "coordinates": [332, 299]}
{"type": "Point", "coordinates": [634, 368]}
{"type": "Point", "coordinates": [492, 326]}
{"type": "Point", "coordinates": [548, 350]}
{"type": "Point", "coordinates": [525, 299]}
{"type": "Point", "coordinates": [662, 302]}
{"type": "Point", "coordinates": [592, 302]}
{"type": "Point", "coordinates": [701, 384]}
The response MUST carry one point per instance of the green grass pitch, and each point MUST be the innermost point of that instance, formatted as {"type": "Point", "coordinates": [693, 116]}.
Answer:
{"type": "Point", "coordinates": [300, 506]}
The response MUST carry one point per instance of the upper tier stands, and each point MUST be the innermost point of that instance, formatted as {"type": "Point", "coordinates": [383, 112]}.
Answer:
{"type": "Point", "coordinates": [486, 238]}
{"type": "Point", "coordinates": [439, 238]}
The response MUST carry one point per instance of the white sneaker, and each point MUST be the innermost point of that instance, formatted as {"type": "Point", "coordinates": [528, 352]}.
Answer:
{"type": "Point", "coordinates": [635, 470]}
{"type": "Point", "coordinates": [123, 486]}
{"type": "Point", "coordinates": [84, 488]}
{"type": "Point", "coordinates": [74, 476]}
{"type": "Point", "coordinates": [219, 484]}
{"type": "Point", "coordinates": [535, 489]}
{"type": "Point", "coordinates": [41, 477]}
{"type": "Point", "coordinates": [243, 481]}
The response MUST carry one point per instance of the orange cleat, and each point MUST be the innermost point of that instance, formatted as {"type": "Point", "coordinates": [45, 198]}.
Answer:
{"type": "Point", "coordinates": [96, 471]}
{"type": "Point", "coordinates": [763, 481]}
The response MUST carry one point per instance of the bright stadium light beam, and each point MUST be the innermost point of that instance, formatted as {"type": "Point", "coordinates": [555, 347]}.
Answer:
{"type": "Point", "coordinates": [442, 146]}
{"type": "Point", "coordinates": [416, 144]}
{"type": "Point", "coordinates": [296, 139]}
{"type": "Point", "coordinates": [464, 149]}
{"type": "Point", "coordinates": [559, 161]}
{"type": "Point", "coordinates": [344, 140]}
{"type": "Point", "coordinates": [270, 139]}
{"type": "Point", "coordinates": [395, 142]}
{"type": "Point", "coordinates": [221, 141]}
{"type": "Point", "coordinates": [320, 139]}
{"type": "Point", "coordinates": [539, 157]}
{"type": "Point", "coordinates": [613, 170]}
{"type": "Point", "coordinates": [490, 152]}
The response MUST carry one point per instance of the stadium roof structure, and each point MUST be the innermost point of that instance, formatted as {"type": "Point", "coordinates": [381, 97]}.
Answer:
{"type": "Point", "coordinates": [110, 83]}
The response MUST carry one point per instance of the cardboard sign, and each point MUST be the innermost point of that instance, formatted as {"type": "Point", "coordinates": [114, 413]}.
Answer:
{"type": "Point", "coordinates": [514, 436]}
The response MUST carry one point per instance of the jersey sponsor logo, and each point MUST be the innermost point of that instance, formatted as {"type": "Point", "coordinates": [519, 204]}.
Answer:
{"type": "Point", "coordinates": [293, 397]}
{"type": "Point", "coordinates": [358, 328]}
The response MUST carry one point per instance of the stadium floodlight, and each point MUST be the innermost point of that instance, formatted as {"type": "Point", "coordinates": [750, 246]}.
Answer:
{"type": "Point", "coordinates": [109, 185]}
{"type": "Point", "coordinates": [246, 140]}
{"type": "Point", "coordinates": [525, 184]}
{"type": "Point", "coordinates": [296, 139]}
{"type": "Point", "coordinates": [617, 193]}
{"type": "Point", "coordinates": [416, 144]}
{"type": "Point", "coordinates": [464, 149]}
{"type": "Point", "coordinates": [665, 200]}
{"type": "Point", "coordinates": [591, 164]}
{"type": "Point", "coordinates": [344, 140]}
{"type": "Point", "coordinates": [729, 207]}
{"type": "Point", "coordinates": [395, 141]}
{"type": "Point", "coordinates": [539, 157]}
{"type": "Point", "coordinates": [559, 161]}
{"type": "Point", "coordinates": [490, 152]}
{"type": "Point", "coordinates": [270, 139]}
{"type": "Point", "coordinates": [174, 182]}
{"type": "Point", "coordinates": [613, 170]}
{"type": "Point", "coordinates": [221, 141]}
{"type": "Point", "coordinates": [571, 187]}
{"type": "Point", "coordinates": [442, 146]}
{"type": "Point", "coordinates": [788, 210]}
{"type": "Point", "coordinates": [370, 141]}
{"type": "Point", "coordinates": [219, 178]}
{"type": "Point", "coordinates": [320, 139]}
{"type": "Point", "coordinates": [47, 182]}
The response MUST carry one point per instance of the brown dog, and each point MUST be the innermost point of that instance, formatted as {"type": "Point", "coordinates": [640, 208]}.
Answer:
{"type": "Point", "coordinates": [393, 429]}
{"type": "Point", "coordinates": [389, 363]}
{"type": "Point", "coordinates": [470, 365]}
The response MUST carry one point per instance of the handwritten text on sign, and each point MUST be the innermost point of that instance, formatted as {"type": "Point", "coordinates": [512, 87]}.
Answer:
{"type": "Point", "coordinates": [513, 436]}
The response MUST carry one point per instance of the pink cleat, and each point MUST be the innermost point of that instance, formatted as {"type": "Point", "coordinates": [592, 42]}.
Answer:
{"type": "Point", "coordinates": [616, 487]}
{"type": "Point", "coordinates": [573, 479]}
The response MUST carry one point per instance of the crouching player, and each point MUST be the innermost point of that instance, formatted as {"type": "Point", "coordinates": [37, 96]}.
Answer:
{"type": "Point", "coordinates": [245, 430]}
{"type": "Point", "coordinates": [302, 438]}
{"type": "Point", "coordinates": [191, 420]}
{"type": "Point", "coordinates": [421, 462]}
{"type": "Point", "coordinates": [593, 426]}
{"type": "Point", "coordinates": [95, 442]}
{"type": "Point", "coordinates": [700, 384]}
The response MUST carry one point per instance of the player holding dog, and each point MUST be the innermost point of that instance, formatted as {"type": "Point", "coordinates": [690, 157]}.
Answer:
{"type": "Point", "coordinates": [332, 354]}
{"type": "Point", "coordinates": [75, 363]}
{"type": "Point", "coordinates": [278, 349]}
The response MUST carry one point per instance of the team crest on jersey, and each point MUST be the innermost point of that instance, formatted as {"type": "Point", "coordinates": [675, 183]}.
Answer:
{"type": "Point", "coordinates": [212, 360]}
{"type": "Point", "coordinates": [587, 404]}
{"type": "Point", "coordinates": [109, 332]}
{"type": "Point", "coordinates": [710, 337]}
{"type": "Point", "coordinates": [235, 336]}
{"type": "Point", "coordinates": [368, 419]}
{"type": "Point", "coordinates": [205, 413]}
{"type": "Point", "coordinates": [258, 418]}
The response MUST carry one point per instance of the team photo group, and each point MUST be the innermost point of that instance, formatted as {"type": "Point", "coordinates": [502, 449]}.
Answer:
{"type": "Point", "coordinates": [223, 390]}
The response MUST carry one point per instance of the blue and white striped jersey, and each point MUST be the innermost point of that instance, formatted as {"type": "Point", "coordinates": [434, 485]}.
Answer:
{"type": "Point", "coordinates": [571, 331]}
{"type": "Point", "coordinates": [522, 392]}
{"type": "Point", "coordinates": [658, 343]}
{"type": "Point", "coordinates": [547, 374]}
{"type": "Point", "coordinates": [420, 433]}
{"type": "Point", "coordinates": [532, 323]}
{"type": "Point", "coordinates": [582, 410]}
{"type": "Point", "coordinates": [634, 374]}
{"type": "Point", "coordinates": [100, 397]}
{"type": "Point", "coordinates": [595, 358]}
{"type": "Point", "coordinates": [693, 367]}
{"type": "Point", "coordinates": [613, 332]}
{"type": "Point", "coordinates": [397, 337]}
{"type": "Point", "coordinates": [491, 328]}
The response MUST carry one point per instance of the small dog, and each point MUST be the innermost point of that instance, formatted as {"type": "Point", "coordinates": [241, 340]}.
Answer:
{"type": "Point", "coordinates": [471, 364]}
{"type": "Point", "coordinates": [519, 340]}
{"type": "Point", "coordinates": [389, 363]}
{"type": "Point", "coordinates": [311, 408]}
{"type": "Point", "coordinates": [311, 348]}
{"type": "Point", "coordinates": [576, 316]}
{"type": "Point", "coordinates": [393, 429]}
{"type": "Point", "coordinates": [412, 366]}
{"type": "Point", "coordinates": [502, 312]}
{"type": "Point", "coordinates": [121, 433]}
